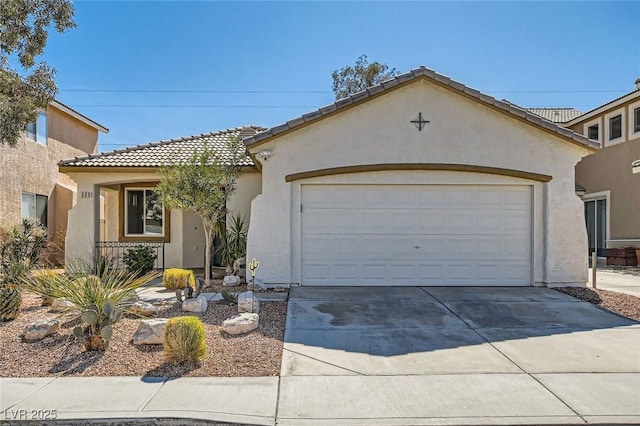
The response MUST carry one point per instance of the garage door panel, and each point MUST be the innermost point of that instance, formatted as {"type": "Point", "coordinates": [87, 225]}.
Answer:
{"type": "Point", "coordinates": [416, 235]}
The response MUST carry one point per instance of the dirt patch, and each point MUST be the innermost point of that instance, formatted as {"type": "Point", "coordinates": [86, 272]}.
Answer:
{"type": "Point", "coordinates": [620, 303]}
{"type": "Point", "coordinates": [256, 354]}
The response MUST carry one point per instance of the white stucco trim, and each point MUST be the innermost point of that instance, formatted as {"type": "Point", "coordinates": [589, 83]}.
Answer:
{"type": "Point", "coordinates": [632, 107]}
{"type": "Point", "coordinates": [609, 116]}
{"type": "Point", "coordinates": [585, 129]}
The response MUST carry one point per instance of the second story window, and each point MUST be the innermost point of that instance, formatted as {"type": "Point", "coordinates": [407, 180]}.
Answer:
{"type": "Point", "coordinates": [37, 131]}
{"type": "Point", "coordinates": [592, 132]}
{"type": "Point", "coordinates": [615, 127]}
{"type": "Point", "coordinates": [636, 120]}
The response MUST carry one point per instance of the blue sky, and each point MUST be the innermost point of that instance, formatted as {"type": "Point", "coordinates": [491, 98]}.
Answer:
{"type": "Point", "coordinates": [158, 70]}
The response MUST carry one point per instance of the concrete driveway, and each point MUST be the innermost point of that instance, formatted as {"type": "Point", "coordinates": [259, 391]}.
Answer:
{"type": "Point", "coordinates": [455, 355]}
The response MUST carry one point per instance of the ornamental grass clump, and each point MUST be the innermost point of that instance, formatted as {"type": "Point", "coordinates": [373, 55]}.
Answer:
{"type": "Point", "coordinates": [99, 300]}
{"type": "Point", "coordinates": [184, 340]}
{"type": "Point", "coordinates": [175, 279]}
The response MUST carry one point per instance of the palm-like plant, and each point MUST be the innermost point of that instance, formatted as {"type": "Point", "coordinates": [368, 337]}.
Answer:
{"type": "Point", "coordinates": [233, 239]}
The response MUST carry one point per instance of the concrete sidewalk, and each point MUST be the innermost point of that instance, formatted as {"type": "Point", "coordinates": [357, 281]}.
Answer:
{"type": "Point", "coordinates": [617, 280]}
{"type": "Point", "coordinates": [245, 400]}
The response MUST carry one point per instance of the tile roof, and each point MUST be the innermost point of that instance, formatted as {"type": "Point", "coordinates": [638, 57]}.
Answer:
{"type": "Point", "coordinates": [166, 153]}
{"type": "Point", "coordinates": [556, 115]}
{"type": "Point", "coordinates": [630, 95]}
{"type": "Point", "coordinates": [421, 72]}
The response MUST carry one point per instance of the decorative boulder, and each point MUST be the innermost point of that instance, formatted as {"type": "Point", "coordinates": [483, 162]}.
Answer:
{"type": "Point", "coordinates": [240, 267]}
{"type": "Point", "coordinates": [150, 332]}
{"type": "Point", "coordinates": [61, 304]}
{"type": "Point", "coordinates": [198, 304]}
{"type": "Point", "coordinates": [41, 329]}
{"type": "Point", "coordinates": [143, 309]}
{"type": "Point", "coordinates": [240, 323]}
{"type": "Point", "coordinates": [231, 281]}
{"type": "Point", "coordinates": [257, 284]}
{"type": "Point", "coordinates": [248, 303]}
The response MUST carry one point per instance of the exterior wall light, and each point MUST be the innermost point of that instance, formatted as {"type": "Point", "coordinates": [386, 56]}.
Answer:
{"type": "Point", "coordinates": [264, 154]}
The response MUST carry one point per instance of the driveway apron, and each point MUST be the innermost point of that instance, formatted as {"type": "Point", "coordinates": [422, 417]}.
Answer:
{"type": "Point", "coordinates": [424, 355]}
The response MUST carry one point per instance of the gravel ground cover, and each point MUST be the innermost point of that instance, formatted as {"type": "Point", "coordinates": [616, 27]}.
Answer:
{"type": "Point", "coordinates": [620, 303]}
{"type": "Point", "coordinates": [255, 354]}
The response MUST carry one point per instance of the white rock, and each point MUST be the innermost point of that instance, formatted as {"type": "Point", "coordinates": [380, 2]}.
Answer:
{"type": "Point", "coordinates": [199, 304]}
{"type": "Point", "coordinates": [143, 309]}
{"type": "Point", "coordinates": [61, 304]}
{"type": "Point", "coordinates": [257, 284]}
{"type": "Point", "coordinates": [248, 303]}
{"type": "Point", "coordinates": [240, 323]}
{"type": "Point", "coordinates": [41, 329]}
{"type": "Point", "coordinates": [231, 281]}
{"type": "Point", "coordinates": [240, 267]}
{"type": "Point", "coordinates": [150, 332]}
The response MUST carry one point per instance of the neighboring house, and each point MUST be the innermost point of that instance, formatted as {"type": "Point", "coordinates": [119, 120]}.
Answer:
{"type": "Point", "coordinates": [419, 180]}
{"type": "Point", "coordinates": [611, 189]}
{"type": "Point", "coordinates": [31, 185]}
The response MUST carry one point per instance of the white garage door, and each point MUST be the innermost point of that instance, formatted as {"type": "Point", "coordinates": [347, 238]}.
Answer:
{"type": "Point", "coordinates": [416, 235]}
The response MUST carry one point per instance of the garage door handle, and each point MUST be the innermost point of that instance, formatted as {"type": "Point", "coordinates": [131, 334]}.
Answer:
{"type": "Point", "coordinates": [416, 247]}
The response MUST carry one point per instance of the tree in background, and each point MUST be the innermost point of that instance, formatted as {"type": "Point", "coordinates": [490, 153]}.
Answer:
{"type": "Point", "coordinates": [202, 185]}
{"type": "Point", "coordinates": [29, 86]}
{"type": "Point", "coordinates": [349, 80]}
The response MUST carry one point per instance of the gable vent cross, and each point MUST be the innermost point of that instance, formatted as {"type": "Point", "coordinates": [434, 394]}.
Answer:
{"type": "Point", "coordinates": [420, 122]}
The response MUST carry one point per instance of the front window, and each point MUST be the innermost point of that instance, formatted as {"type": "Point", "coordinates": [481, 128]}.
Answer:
{"type": "Point", "coordinates": [615, 127]}
{"type": "Point", "coordinates": [592, 132]}
{"type": "Point", "coordinates": [144, 213]}
{"type": "Point", "coordinates": [34, 206]}
{"type": "Point", "coordinates": [37, 131]}
{"type": "Point", "coordinates": [636, 120]}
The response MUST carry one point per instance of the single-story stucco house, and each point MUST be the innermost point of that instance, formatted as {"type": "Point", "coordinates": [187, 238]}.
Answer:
{"type": "Point", "coordinates": [419, 180]}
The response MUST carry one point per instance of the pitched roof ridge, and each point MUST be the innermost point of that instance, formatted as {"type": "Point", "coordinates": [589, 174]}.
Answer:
{"type": "Point", "coordinates": [607, 103]}
{"type": "Point", "coordinates": [412, 75]}
{"type": "Point", "coordinates": [157, 143]}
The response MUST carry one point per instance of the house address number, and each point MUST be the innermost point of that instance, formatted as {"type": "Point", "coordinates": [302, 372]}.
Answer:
{"type": "Point", "coordinates": [86, 194]}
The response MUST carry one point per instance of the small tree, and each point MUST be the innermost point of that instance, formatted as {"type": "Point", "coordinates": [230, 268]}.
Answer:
{"type": "Point", "coordinates": [202, 185]}
{"type": "Point", "coordinates": [30, 86]}
{"type": "Point", "coordinates": [349, 80]}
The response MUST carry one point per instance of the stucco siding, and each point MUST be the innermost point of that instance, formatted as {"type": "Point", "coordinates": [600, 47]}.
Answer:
{"type": "Point", "coordinates": [610, 170]}
{"type": "Point", "coordinates": [460, 131]}
{"type": "Point", "coordinates": [32, 167]}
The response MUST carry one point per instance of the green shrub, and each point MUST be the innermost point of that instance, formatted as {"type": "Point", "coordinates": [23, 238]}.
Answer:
{"type": "Point", "coordinates": [175, 278]}
{"type": "Point", "coordinates": [184, 340]}
{"type": "Point", "coordinates": [233, 240]}
{"type": "Point", "coordinates": [20, 250]}
{"type": "Point", "coordinates": [140, 259]}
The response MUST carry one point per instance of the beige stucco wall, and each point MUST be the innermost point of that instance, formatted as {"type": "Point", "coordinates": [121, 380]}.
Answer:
{"type": "Point", "coordinates": [609, 170]}
{"type": "Point", "coordinates": [32, 167]}
{"type": "Point", "coordinates": [186, 246]}
{"type": "Point", "coordinates": [460, 131]}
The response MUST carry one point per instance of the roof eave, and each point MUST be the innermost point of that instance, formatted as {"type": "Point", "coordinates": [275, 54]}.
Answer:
{"type": "Point", "coordinates": [75, 114]}
{"type": "Point", "coordinates": [605, 107]}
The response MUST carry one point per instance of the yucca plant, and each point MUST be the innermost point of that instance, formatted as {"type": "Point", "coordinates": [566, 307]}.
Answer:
{"type": "Point", "coordinates": [184, 340]}
{"type": "Point", "coordinates": [233, 240]}
{"type": "Point", "coordinates": [99, 300]}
